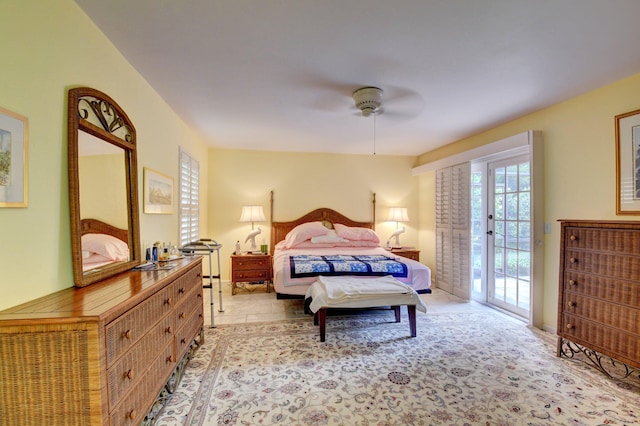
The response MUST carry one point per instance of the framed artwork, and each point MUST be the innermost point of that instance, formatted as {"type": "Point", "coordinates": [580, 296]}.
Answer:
{"type": "Point", "coordinates": [158, 192]}
{"type": "Point", "coordinates": [628, 163]}
{"type": "Point", "coordinates": [13, 159]}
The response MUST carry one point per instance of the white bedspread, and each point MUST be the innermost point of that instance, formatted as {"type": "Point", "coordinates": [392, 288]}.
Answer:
{"type": "Point", "coordinates": [358, 292]}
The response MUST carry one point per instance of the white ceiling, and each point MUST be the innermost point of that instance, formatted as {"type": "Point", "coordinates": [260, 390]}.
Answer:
{"type": "Point", "coordinates": [278, 74]}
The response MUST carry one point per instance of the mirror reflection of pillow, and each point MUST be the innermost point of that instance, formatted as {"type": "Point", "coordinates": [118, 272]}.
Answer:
{"type": "Point", "coordinates": [105, 245]}
{"type": "Point", "coordinates": [356, 233]}
{"type": "Point", "coordinates": [328, 238]}
{"type": "Point", "coordinates": [304, 232]}
{"type": "Point", "coordinates": [96, 258]}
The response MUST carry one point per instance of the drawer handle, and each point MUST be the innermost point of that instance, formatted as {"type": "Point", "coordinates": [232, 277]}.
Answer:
{"type": "Point", "coordinates": [573, 260]}
{"type": "Point", "coordinates": [181, 315]}
{"type": "Point", "coordinates": [129, 375]}
{"type": "Point", "coordinates": [573, 238]}
{"type": "Point", "coordinates": [199, 296]}
{"type": "Point", "coordinates": [167, 301]}
{"type": "Point", "coordinates": [571, 304]}
{"type": "Point", "coordinates": [569, 326]}
{"type": "Point", "coordinates": [168, 330]}
{"type": "Point", "coordinates": [183, 341]}
{"type": "Point", "coordinates": [181, 290]}
{"type": "Point", "coordinates": [572, 282]}
{"type": "Point", "coordinates": [170, 358]}
{"type": "Point", "coordinates": [127, 334]}
{"type": "Point", "coordinates": [131, 415]}
{"type": "Point", "coordinates": [199, 275]}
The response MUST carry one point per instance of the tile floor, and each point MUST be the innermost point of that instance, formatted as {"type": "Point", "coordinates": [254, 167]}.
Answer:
{"type": "Point", "coordinates": [259, 306]}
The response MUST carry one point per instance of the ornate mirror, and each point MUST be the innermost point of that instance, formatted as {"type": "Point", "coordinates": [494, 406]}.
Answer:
{"type": "Point", "coordinates": [103, 187]}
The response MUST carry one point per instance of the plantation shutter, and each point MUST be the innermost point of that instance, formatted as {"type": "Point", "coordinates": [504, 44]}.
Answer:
{"type": "Point", "coordinates": [189, 198]}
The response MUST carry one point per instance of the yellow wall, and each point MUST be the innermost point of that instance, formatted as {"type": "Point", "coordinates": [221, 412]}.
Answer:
{"type": "Point", "coordinates": [302, 182]}
{"type": "Point", "coordinates": [47, 47]}
{"type": "Point", "coordinates": [579, 164]}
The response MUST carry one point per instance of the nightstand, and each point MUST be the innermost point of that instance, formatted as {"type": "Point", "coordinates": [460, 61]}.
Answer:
{"type": "Point", "coordinates": [250, 268]}
{"type": "Point", "coordinates": [409, 253]}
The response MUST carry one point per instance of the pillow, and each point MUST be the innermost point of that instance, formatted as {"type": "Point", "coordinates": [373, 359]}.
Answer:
{"type": "Point", "coordinates": [95, 258]}
{"type": "Point", "coordinates": [304, 232]}
{"type": "Point", "coordinates": [105, 245]}
{"type": "Point", "coordinates": [355, 233]}
{"type": "Point", "coordinates": [328, 238]}
{"type": "Point", "coordinates": [309, 245]}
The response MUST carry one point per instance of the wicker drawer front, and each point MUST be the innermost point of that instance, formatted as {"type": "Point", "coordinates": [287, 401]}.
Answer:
{"type": "Point", "coordinates": [192, 303]}
{"type": "Point", "coordinates": [597, 239]}
{"type": "Point", "coordinates": [136, 403]}
{"type": "Point", "coordinates": [130, 327]}
{"type": "Point", "coordinates": [128, 370]}
{"type": "Point", "coordinates": [607, 264]}
{"type": "Point", "coordinates": [186, 334]}
{"type": "Point", "coordinates": [610, 314]}
{"type": "Point", "coordinates": [186, 283]}
{"type": "Point", "coordinates": [603, 287]}
{"type": "Point", "coordinates": [610, 341]}
{"type": "Point", "coordinates": [250, 276]}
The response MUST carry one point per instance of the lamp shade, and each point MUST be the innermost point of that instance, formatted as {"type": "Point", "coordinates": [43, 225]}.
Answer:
{"type": "Point", "coordinates": [398, 214]}
{"type": "Point", "coordinates": [252, 214]}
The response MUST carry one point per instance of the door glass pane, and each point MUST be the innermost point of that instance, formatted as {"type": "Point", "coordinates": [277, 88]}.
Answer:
{"type": "Point", "coordinates": [512, 178]}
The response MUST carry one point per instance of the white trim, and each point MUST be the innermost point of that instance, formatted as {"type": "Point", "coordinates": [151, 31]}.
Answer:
{"type": "Point", "coordinates": [515, 141]}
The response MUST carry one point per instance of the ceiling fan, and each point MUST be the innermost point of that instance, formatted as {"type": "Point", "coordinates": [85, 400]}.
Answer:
{"type": "Point", "coordinates": [368, 100]}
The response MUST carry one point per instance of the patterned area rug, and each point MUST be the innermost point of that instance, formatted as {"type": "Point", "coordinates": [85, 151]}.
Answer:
{"type": "Point", "coordinates": [463, 369]}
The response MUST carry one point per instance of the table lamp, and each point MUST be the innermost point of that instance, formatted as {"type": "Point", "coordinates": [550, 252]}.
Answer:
{"type": "Point", "coordinates": [397, 215]}
{"type": "Point", "coordinates": [252, 214]}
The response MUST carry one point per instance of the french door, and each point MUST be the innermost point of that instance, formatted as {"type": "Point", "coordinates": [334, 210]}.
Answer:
{"type": "Point", "coordinates": [508, 230]}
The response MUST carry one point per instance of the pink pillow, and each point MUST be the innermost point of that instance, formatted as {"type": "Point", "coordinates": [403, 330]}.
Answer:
{"type": "Point", "coordinates": [105, 245]}
{"type": "Point", "coordinates": [310, 245]}
{"type": "Point", "coordinates": [304, 232]}
{"type": "Point", "coordinates": [355, 233]}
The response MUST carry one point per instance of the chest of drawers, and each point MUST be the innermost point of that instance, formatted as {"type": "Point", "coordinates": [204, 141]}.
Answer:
{"type": "Point", "coordinates": [250, 268]}
{"type": "Point", "coordinates": [599, 288]}
{"type": "Point", "coordinates": [99, 354]}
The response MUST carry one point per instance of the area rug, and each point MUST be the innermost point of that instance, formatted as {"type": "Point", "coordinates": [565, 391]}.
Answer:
{"type": "Point", "coordinates": [462, 369]}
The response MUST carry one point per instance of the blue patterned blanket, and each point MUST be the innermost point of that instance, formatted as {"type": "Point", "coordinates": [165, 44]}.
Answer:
{"type": "Point", "coordinates": [360, 265]}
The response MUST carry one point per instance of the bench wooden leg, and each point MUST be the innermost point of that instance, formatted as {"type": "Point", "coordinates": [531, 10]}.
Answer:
{"type": "Point", "coordinates": [322, 317]}
{"type": "Point", "coordinates": [396, 309]}
{"type": "Point", "coordinates": [412, 319]}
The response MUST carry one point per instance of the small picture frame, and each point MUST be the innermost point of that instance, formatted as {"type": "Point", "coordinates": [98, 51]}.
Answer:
{"type": "Point", "coordinates": [158, 192]}
{"type": "Point", "coordinates": [13, 159]}
{"type": "Point", "coordinates": [628, 163]}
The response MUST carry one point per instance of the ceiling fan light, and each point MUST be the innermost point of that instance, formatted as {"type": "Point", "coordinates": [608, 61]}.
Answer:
{"type": "Point", "coordinates": [368, 100]}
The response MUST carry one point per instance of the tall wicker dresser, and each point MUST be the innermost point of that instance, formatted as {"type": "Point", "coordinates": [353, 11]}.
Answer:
{"type": "Point", "coordinates": [599, 300]}
{"type": "Point", "coordinates": [100, 354]}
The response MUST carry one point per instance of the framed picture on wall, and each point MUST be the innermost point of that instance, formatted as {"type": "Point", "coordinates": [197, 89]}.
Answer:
{"type": "Point", "coordinates": [158, 192]}
{"type": "Point", "coordinates": [13, 159]}
{"type": "Point", "coordinates": [628, 163]}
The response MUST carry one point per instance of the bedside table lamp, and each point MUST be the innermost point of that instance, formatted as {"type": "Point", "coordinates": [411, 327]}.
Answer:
{"type": "Point", "coordinates": [397, 215]}
{"type": "Point", "coordinates": [252, 214]}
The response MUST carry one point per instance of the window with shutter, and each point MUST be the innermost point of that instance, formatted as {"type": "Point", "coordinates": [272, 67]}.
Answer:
{"type": "Point", "coordinates": [189, 198]}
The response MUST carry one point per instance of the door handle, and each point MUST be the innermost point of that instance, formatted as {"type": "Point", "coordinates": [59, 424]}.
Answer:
{"type": "Point", "coordinates": [489, 232]}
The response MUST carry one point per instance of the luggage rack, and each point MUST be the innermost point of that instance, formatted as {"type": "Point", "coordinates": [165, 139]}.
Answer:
{"type": "Point", "coordinates": [207, 246]}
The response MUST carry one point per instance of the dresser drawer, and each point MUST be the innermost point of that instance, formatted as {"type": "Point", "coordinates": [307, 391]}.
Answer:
{"type": "Point", "coordinates": [134, 406]}
{"type": "Point", "coordinates": [603, 287]}
{"type": "Point", "coordinates": [609, 341]}
{"type": "Point", "coordinates": [128, 370]}
{"type": "Point", "coordinates": [186, 334]}
{"type": "Point", "coordinates": [250, 275]}
{"type": "Point", "coordinates": [190, 304]}
{"type": "Point", "coordinates": [184, 284]}
{"type": "Point", "coordinates": [610, 314]}
{"type": "Point", "coordinates": [605, 240]}
{"type": "Point", "coordinates": [626, 267]}
{"type": "Point", "coordinates": [123, 332]}
{"type": "Point", "coordinates": [246, 263]}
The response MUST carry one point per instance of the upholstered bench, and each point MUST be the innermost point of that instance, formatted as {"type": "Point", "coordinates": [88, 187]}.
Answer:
{"type": "Point", "coordinates": [359, 292]}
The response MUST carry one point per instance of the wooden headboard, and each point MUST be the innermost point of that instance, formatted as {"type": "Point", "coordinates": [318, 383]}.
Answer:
{"type": "Point", "coordinates": [95, 226]}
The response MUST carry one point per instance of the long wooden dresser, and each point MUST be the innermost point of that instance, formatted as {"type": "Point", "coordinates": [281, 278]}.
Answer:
{"type": "Point", "coordinates": [599, 300]}
{"type": "Point", "coordinates": [100, 354]}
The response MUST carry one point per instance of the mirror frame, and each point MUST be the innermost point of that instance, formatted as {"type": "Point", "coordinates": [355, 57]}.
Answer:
{"type": "Point", "coordinates": [85, 102]}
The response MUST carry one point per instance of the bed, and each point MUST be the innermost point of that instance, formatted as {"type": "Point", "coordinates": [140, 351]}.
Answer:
{"type": "Point", "coordinates": [102, 244]}
{"type": "Point", "coordinates": [302, 250]}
